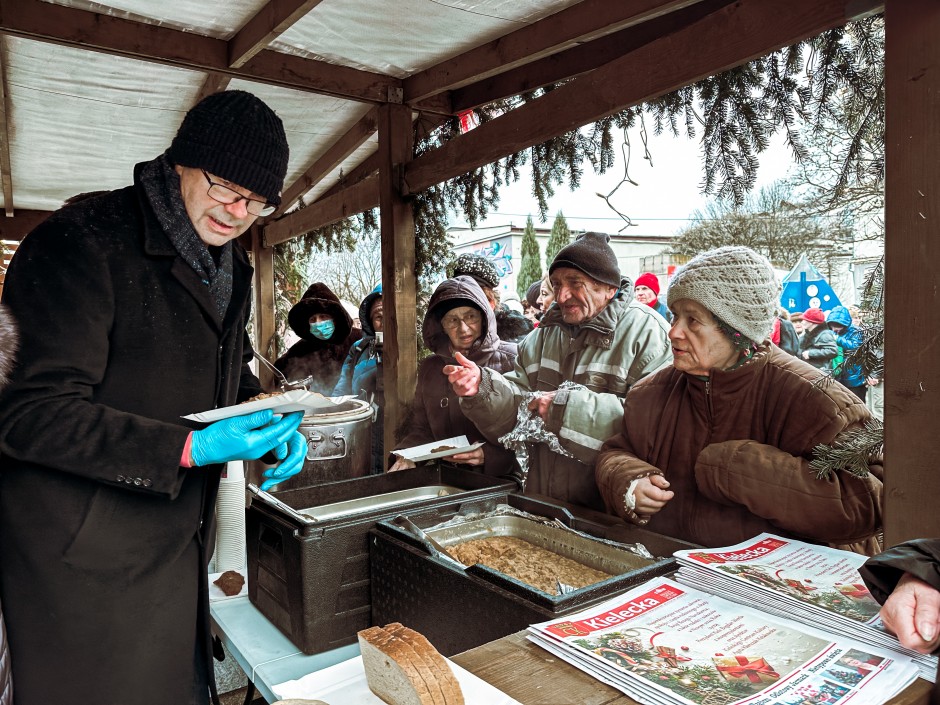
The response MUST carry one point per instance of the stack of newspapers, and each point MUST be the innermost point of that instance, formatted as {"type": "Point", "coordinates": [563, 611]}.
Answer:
{"type": "Point", "coordinates": [665, 642]}
{"type": "Point", "coordinates": [811, 584]}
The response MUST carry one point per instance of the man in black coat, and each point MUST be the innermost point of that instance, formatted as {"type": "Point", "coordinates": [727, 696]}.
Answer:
{"type": "Point", "coordinates": [132, 308]}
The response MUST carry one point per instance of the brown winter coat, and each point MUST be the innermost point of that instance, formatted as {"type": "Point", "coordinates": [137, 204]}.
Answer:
{"type": "Point", "coordinates": [436, 413]}
{"type": "Point", "coordinates": [736, 448]}
{"type": "Point", "coordinates": [104, 538]}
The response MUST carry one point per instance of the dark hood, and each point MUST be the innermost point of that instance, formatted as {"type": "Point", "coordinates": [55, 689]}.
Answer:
{"type": "Point", "coordinates": [319, 299]}
{"type": "Point", "coordinates": [365, 321]}
{"type": "Point", "coordinates": [462, 287]}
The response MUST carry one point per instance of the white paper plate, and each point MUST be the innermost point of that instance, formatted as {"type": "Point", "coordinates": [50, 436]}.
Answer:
{"type": "Point", "coordinates": [294, 400]}
{"type": "Point", "coordinates": [457, 444]}
{"type": "Point", "coordinates": [345, 684]}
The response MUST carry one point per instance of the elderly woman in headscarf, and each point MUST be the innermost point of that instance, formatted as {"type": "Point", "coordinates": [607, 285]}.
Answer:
{"type": "Point", "coordinates": [716, 449]}
{"type": "Point", "coordinates": [326, 333]}
{"type": "Point", "coordinates": [459, 319]}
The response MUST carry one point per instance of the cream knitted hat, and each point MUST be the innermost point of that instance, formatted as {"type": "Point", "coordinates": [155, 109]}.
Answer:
{"type": "Point", "coordinates": [734, 283]}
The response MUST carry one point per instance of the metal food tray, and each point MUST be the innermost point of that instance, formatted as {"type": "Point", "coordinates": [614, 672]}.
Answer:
{"type": "Point", "coordinates": [594, 554]}
{"type": "Point", "coordinates": [379, 501]}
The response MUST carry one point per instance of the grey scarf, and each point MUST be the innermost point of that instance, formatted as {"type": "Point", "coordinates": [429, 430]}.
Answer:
{"type": "Point", "coordinates": [161, 183]}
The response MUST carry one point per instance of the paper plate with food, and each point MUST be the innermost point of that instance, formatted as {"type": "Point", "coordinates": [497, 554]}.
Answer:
{"type": "Point", "coordinates": [437, 449]}
{"type": "Point", "coordinates": [279, 402]}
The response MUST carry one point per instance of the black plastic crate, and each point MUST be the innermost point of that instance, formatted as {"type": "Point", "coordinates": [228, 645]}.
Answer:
{"type": "Point", "coordinates": [312, 581]}
{"type": "Point", "coordinates": [459, 609]}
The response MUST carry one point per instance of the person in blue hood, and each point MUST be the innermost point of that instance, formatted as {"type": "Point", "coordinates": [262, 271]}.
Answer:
{"type": "Point", "coordinates": [362, 371]}
{"type": "Point", "coordinates": [839, 321]}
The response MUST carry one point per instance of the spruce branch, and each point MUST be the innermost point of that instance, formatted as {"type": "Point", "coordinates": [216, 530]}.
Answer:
{"type": "Point", "coordinates": [851, 451]}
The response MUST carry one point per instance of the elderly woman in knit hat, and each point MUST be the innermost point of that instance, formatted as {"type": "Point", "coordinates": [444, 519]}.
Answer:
{"type": "Point", "coordinates": [646, 291]}
{"type": "Point", "coordinates": [458, 320]}
{"type": "Point", "coordinates": [326, 332]}
{"type": "Point", "coordinates": [716, 449]}
{"type": "Point", "coordinates": [818, 344]}
{"type": "Point", "coordinates": [511, 326]}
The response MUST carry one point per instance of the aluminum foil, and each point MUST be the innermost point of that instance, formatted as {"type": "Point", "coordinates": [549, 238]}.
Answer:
{"type": "Point", "coordinates": [530, 428]}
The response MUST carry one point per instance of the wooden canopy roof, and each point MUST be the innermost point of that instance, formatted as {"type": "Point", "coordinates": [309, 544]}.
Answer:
{"type": "Point", "coordinates": [87, 89]}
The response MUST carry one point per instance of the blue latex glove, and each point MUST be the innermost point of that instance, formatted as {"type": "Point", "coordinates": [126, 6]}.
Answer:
{"type": "Point", "coordinates": [292, 454]}
{"type": "Point", "coordinates": [242, 437]}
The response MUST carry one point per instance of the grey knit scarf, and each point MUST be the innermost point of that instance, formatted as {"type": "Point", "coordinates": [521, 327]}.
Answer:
{"type": "Point", "coordinates": [161, 183]}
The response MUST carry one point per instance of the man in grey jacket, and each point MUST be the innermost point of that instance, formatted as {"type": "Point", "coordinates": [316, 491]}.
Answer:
{"type": "Point", "coordinates": [593, 335]}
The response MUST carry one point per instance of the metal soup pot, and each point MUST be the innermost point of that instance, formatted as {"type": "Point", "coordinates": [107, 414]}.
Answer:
{"type": "Point", "coordinates": [339, 447]}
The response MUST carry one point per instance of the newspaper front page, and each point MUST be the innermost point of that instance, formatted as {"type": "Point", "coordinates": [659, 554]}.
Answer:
{"type": "Point", "coordinates": [663, 642]}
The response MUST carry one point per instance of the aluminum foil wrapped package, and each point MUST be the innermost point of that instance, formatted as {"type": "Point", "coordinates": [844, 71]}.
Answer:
{"type": "Point", "coordinates": [530, 428]}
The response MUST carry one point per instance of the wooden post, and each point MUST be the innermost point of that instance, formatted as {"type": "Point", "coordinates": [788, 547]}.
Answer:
{"type": "Point", "coordinates": [912, 251]}
{"type": "Point", "coordinates": [264, 314]}
{"type": "Point", "coordinates": [398, 269]}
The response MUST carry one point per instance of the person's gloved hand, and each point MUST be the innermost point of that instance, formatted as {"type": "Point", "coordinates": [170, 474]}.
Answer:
{"type": "Point", "coordinates": [292, 455]}
{"type": "Point", "coordinates": [243, 437]}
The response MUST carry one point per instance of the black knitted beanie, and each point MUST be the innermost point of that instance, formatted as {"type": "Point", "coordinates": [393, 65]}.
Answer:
{"type": "Point", "coordinates": [235, 136]}
{"type": "Point", "coordinates": [592, 255]}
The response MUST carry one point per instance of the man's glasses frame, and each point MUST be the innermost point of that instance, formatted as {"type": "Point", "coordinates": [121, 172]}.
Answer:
{"type": "Point", "coordinates": [227, 196]}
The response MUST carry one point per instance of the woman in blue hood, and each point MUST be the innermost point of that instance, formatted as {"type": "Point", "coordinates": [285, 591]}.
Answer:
{"type": "Point", "coordinates": [839, 321]}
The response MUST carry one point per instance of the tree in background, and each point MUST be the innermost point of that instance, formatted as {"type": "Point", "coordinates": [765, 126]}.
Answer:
{"type": "Point", "coordinates": [530, 267]}
{"type": "Point", "coordinates": [768, 222]}
{"type": "Point", "coordinates": [560, 237]}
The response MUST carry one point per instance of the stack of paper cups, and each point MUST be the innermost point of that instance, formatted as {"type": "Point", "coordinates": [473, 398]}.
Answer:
{"type": "Point", "coordinates": [230, 515]}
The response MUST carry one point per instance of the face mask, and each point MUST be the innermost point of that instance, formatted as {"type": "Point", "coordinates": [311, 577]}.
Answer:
{"type": "Point", "coordinates": [322, 331]}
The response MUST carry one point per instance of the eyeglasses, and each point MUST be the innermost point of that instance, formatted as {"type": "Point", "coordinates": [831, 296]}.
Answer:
{"type": "Point", "coordinates": [224, 194]}
{"type": "Point", "coordinates": [452, 322]}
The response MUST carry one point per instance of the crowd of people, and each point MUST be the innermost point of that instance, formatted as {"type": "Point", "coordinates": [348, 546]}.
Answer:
{"type": "Point", "coordinates": [697, 419]}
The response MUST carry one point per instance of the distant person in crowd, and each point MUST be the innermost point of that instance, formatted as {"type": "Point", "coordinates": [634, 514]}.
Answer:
{"type": "Point", "coordinates": [459, 320]}
{"type": "Point", "coordinates": [905, 579]}
{"type": "Point", "coordinates": [533, 309]}
{"type": "Point", "coordinates": [818, 344]}
{"type": "Point", "coordinates": [593, 335]}
{"type": "Point", "coordinates": [362, 376]}
{"type": "Point", "coordinates": [353, 312]}
{"type": "Point", "coordinates": [546, 294]}
{"type": "Point", "coordinates": [646, 290]}
{"type": "Point", "coordinates": [796, 318]}
{"type": "Point", "coordinates": [784, 335]}
{"type": "Point", "coordinates": [848, 337]}
{"type": "Point", "coordinates": [9, 339]}
{"type": "Point", "coordinates": [511, 326]}
{"type": "Point", "coordinates": [132, 307]}
{"type": "Point", "coordinates": [326, 334]}
{"type": "Point", "coordinates": [716, 449]}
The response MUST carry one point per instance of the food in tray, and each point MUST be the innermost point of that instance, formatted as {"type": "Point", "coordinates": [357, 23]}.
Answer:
{"type": "Point", "coordinates": [403, 668]}
{"type": "Point", "coordinates": [527, 562]}
{"type": "Point", "coordinates": [441, 449]}
{"type": "Point", "coordinates": [300, 701]}
{"type": "Point", "coordinates": [230, 582]}
{"type": "Point", "coordinates": [263, 395]}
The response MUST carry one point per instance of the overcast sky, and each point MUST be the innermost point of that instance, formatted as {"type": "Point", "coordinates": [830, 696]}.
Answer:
{"type": "Point", "coordinates": [668, 190]}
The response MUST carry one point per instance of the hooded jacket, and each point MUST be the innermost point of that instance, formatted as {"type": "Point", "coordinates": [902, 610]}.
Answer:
{"type": "Point", "coordinates": [735, 448]}
{"type": "Point", "coordinates": [8, 342]}
{"type": "Point", "coordinates": [607, 354]}
{"type": "Point", "coordinates": [436, 412]}
{"type": "Point", "coordinates": [311, 357]}
{"type": "Point", "coordinates": [850, 339]}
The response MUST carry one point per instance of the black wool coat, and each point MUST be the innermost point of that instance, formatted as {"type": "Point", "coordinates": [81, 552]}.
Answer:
{"type": "Point", "coordinates": [104, 538]}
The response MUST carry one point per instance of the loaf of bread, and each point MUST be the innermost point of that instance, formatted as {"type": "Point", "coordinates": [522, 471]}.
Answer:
{"type": "Point", "coordinates": [403, 668]}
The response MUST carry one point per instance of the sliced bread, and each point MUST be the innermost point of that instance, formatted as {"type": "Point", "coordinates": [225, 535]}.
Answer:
{"type": "Point", "coordinates": [390, 669]}
{"type": "Point", "coordinates": [444, 677]}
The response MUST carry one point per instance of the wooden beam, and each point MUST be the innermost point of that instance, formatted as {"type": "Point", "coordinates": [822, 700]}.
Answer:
{"type": "Point", "coordinates": [399, 287]}
{"type": "Point", "coordinates": [345, 203]}
{"type": "Point", "coordinates": [727, 38]}
{"type": "Point", "coordinates": [270, 22]}
{"type": "Point", "coordinates": [577, 23]}
{"type": "Point", "coordinates": [579, 59]}
{"type": "Point", "coordinates": [6, 167]}
{"type": "Point", "coordinates": [369, 166]}
{"type": "Point", "coordinates": [333, 157]}
{"type": "Point", "coordinates": [21, 224]}
{"type": "Point", "coordinates": [213, 83]}
{"type": "Point", "coordinates": [83, 29]}
{"type": "Point", "coordinates": [912, 248]}
{"type": "Point", "coordinates": [262, 259]}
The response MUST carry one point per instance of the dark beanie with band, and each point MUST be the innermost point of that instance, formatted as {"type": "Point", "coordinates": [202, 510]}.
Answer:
{"type": "Point", "coordinates": [592, 255]}
{"type": "Point", "coordinates": [235, 136]}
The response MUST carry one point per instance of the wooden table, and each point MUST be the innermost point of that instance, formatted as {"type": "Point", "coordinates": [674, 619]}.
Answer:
{"type": "Point", "coordinates": [533, 676]}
